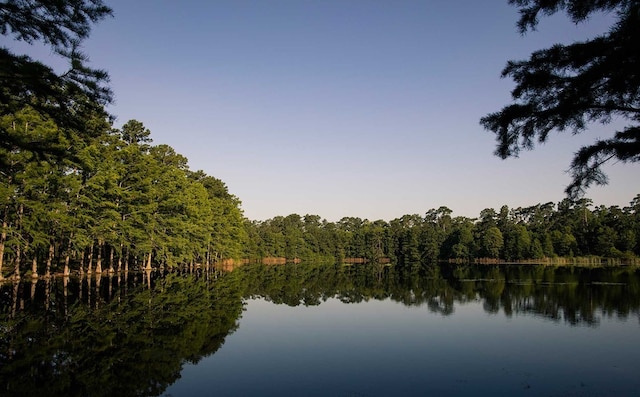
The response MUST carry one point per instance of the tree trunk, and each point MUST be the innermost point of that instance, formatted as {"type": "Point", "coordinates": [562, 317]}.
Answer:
{"type": "Point", "coordinates": [90, 260]}
{"type": "Point", "coordinates": [47, 272]}
{"type": "Point", "coordinates": [126, 262]}
{"type": "Point", "coordinates": [99, 258]}
{"type": "Point", "coordinates": [34, 267]}
{"type": "Point", "coordinates": [120, 259]}
{"type": "Point", "coordinates": [16, 271]}
{"type": "Point", "coordinates": [81, 270]}
{"type": "Point", "coordinates": [111, 268]}
{"type": "Point", "coordinates": [148, 267]}
{"type": "Point", "coordinates": [66, 271]}
{"type": "Point", "coordinates": [14, 300]}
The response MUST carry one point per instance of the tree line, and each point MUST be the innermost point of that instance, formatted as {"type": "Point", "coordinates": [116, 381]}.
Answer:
{"type": "Point", "coordinates": [123, 201]}
{"type": "Point", "coordinates": [569, 228]}
{"type": "Point", "coordinates": [78, 194]}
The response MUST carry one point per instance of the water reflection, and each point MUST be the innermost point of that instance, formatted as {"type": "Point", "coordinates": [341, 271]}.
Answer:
{"type": "Point", "coordinates": [126, 336]}
{"type": "Point", "coordinates": [575, 296]}
{"type": "Point", "coordinates": [131, 334]}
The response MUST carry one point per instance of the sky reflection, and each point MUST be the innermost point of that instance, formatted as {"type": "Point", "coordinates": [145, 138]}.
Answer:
{"type": "Point", "coordinates": [383, 348]}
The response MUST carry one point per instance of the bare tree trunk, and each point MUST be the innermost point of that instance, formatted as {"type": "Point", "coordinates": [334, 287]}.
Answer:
{"type": "Point", "coordinates": [34, 267]}
{"type": "Point", "coordinates": [66, 271]}
{"type": "Point", "coordinates": [47, 272]}
{"type": "Point", "coordinates": [16, 271]}
{"type": "Point", "coordinates": [99, 258]}
{"type": "Point", "coordinates": [111, 268]}
{"type": "Point", "coordinates": [148, 267]}
{"type": "Point", "coordinates": [120, 259]}
{"type": "Point", "coordinates": [126, 262]}
{"type": "Point", "coordinates": [90, 260]}
{"type": "Point", "coordinates": [14, 300]}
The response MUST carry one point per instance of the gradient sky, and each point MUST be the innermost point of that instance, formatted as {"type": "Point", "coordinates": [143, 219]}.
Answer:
{"type": "Point", "coordinates": [365, 108]}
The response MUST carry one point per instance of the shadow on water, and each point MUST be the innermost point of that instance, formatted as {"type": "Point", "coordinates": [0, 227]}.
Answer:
{"type": "Point", "coordinates": [131, 334]}
{"type": "Point", "coordinates": [125, 335]}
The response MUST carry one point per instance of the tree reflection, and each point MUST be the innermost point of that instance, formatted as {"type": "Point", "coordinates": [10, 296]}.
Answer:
{"type": "Point", "coordinates": [130, 334]}
{"type": "Point", "coordinates": [95, 339]}
{"type": "Point", "coordinates": [576, 296]}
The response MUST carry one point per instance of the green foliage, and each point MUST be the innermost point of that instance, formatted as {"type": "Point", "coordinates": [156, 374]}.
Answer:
{"type": "Point", "coordinates": [491, 242]}
{"type": "Point", "coordinates": [130, 197]}
{"type": "Point", "coordinates": [568, 87]}
{"type": "Point", "coordinates": [69, 99]}
{"type": "Point", "coordinates": [74, 189]}
{"type": "Point", "coordinates": [411, 242]}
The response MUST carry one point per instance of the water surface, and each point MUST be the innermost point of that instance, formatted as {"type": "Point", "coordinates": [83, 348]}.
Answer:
{"type": "Point", "coordinates": [383, 348]}
{"type": "Point", "coordinates": [318, 330]}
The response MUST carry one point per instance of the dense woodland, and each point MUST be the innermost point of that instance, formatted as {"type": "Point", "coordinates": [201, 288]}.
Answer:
{"type": "Point", "coordinates": [75, 193]}
{"type": "Point", "coordinates": [567, 229]}
{"type": "Point", "coordinates": [125, 202]}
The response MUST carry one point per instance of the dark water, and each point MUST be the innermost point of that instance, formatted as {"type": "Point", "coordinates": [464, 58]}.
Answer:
{"type": "Point", "coordinates": [326, 331]}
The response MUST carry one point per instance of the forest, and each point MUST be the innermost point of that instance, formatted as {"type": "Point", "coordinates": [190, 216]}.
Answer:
{"type": "Point", "coordinates": [568, 229]}
{"type": "Point", "coordinates": [119, 202]}
{"type": "Point", "coordinates": [123, 202]}
{"type": "Point", "coordinates": [126, 203]}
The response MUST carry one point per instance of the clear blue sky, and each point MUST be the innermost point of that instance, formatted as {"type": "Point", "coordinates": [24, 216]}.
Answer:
{"type": "Point", "coordinates": [364, 108]}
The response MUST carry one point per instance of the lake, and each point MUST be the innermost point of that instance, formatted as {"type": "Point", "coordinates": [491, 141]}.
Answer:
{"type": "Point", "coordinates": [326, 330]}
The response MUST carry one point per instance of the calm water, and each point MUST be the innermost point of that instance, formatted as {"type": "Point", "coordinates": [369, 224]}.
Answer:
{"type": "Point", "coordinates": [327, 331]}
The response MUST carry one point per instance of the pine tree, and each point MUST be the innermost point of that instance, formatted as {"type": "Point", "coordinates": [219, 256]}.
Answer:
{"type": "Point", "coordinates": [569, 87]}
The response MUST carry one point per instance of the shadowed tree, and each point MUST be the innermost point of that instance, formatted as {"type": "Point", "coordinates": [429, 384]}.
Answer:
{"type": "Point", "coordinates": [569, 87]}
{"type": "Point", "coordinates": [67, 98]}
